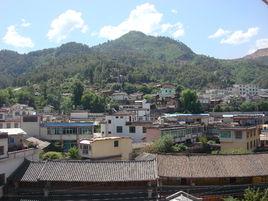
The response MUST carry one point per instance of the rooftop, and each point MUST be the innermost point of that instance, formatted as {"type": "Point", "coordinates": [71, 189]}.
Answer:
{"type": "Point", "coordinates": [212, 166]}
{"type": "Point", "coordinates": [13, 131]}
{"type": "Point", "coordinates": [86, 171]}
{"type": "Point", "coordinates": [69, 124]}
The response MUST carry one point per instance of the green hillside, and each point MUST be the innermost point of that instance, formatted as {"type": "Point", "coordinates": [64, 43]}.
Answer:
{"type": "Point", "coordinates": [136, 57]}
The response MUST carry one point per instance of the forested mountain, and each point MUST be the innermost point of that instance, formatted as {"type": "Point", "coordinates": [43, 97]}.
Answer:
{"type": "Point", "coordinates": [136, 57]}
{"type": "Point", "coordinates": [260, 56]}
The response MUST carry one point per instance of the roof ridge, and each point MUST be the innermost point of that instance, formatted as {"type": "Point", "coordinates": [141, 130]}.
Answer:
{"type": "Point", "coordinates": [39, 175]}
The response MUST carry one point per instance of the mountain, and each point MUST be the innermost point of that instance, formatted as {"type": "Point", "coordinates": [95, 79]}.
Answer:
{"type": "Point", "coordinates": [136, 57]}
{"type": "Point", "coordinates": [260, 56]}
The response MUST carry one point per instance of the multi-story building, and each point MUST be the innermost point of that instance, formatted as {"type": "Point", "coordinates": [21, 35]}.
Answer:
{"type": "Point", "coordinates": [167, 90]}
{"type": "Point", "coordinates": [245, 89]}
{"type": "Point", "coordinates": [106, 148]}
{"type": "Point", "coordinates": [240, 131]}
{"type": "Point", "coordinates": [13, 153]}
{"type": "Point", "coordinates": [66, 133]}
{"type": "Point", "coordinates": [183, 133]}
{"type": "Point", "coordinates": [125, 124]}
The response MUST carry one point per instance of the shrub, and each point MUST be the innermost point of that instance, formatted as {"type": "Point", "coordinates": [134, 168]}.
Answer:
{"type": "Point", "coordinates": [52, 155]}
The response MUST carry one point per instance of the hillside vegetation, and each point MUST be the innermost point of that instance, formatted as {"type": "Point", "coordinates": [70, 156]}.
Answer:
{"type": "Point", "coordinates": [134, 57]}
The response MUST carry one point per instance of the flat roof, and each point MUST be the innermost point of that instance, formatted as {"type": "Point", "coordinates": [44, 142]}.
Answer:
{"type": "Point", "coordinates": [184, 115]}
{"type": "Point", "coordinates": [69, 124]}
{"type": "Point", "coordinates": [13, 131]}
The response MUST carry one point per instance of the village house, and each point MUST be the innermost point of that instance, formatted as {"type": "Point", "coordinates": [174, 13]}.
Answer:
{"type": "Point", "coordinates": [13, 152]}
{"type": "Point", "coordinates": [179, 133]}
{"type": "Point", "coordinates": [210, 176]}
{"type": "Point", "coordinates": [106, 148]}
{"type": "Point", "coordinates": [85, 180]}
{"type": "Point", "coordinates": [67, 134]}
{"type": "Point", "coordinates": [240, 131]}
{"type": "Point", "coordinates": [245, 89]}
{"type": "Point", "coordinates": [167, 90]}
{"type": "Point", "coordinates": [125, 124]}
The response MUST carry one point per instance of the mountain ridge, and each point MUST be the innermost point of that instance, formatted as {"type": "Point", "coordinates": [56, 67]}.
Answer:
{"type": "Point", "coordinates": [139, 58]}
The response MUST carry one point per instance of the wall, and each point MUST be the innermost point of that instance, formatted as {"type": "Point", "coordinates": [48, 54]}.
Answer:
{"type": "Point", "coordinates": [105, 148]}
{"type": "Point", "coordinates": [4, 142]}
{"type": "Point", "coordinates": [248, 137]}
{"type": "Point", "coordinates": [15, 159]}
{"type": "Point", "coordinates": [152, 134]}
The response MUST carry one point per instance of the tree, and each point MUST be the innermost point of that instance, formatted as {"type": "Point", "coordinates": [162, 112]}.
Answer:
{"type": "Point", "coordinates": [78, 90]}
{"type": "Point", "coordinates": [179, 147]}
{"type": "Point", "coordinates": [248, 106]}
{"type": "Point", "coordinates": [164, 144]}
{"type": "Point", "coordinates": [189, 101]}
{"type": "Point", "coordinates": [91, 101]}
{"type": "Point", "coordinates": [3, 98]}
{"type": "Point", "coordinates": [73, 153]}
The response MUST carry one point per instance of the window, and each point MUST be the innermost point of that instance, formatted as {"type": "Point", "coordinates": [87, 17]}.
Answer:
{"type": "Point", "coordinates": [16, 125]}
{"type": "Point", "coordinates": [2, 149]}
{"type": "Point", "coordinates": [11, 140]}
{"type": "Point", "coordinates": [132, 129]}
{"type": "Point", "coordinates": [109, 132]}
{"type": "Point", "coordinates": [2, 179]}
{"type": "Point", "coordinates": [1, 125]}
{"type": "Point", "coordinates": [116, 143]}
{"type": "Point", "coordinates": [119, 129]}
{"type": "Point", "coordinates": [225, 134]}
{"type": "Point", "coordinates": [144, 129]}
{"type": "Point", "coordinates": [1, 116]}
{"type": "Point", "coordinates": [238, 135]}
{"type": "Point", "coordinates": [247, 146]}
{"type": "Point", "coordinates": [109, 121]}
{"type": "Point", "coordinates": [8, 125]}
{"type": "Point", "coordinates": [116, 117]}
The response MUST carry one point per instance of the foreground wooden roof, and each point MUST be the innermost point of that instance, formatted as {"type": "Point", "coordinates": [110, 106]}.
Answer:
{"type": "Point", "coordinates": [212, 166]}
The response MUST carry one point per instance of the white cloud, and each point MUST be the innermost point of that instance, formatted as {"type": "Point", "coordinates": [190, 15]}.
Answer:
{"type": "Point", "coordinates": [219, 33]}
{"type": "Point", "coordinates": [260, 44]}
{"type": "Point", "coordinates": [144, 18]}
{"type": "Point", "coordinates": [238, 37]}
{"type": "Point", "coordinates": [175, 30]}
{"type": "Point", "coordinates": [174, 11]}
{"type": "Point", "coordinates": [24, 23]}
{"type": "Point", "coordinates": [12, 37]}
{"type": "Point", "coordinates": [65, 23]}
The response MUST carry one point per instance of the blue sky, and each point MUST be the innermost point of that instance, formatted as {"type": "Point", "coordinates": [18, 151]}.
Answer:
{"type": "Point", "coordinates": [218, 28]}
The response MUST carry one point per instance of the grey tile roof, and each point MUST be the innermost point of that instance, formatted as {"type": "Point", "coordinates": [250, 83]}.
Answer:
{"type": "Point", "coordinates": [213, 166]}
{"type": "Point", "coordinates": [85, 171]}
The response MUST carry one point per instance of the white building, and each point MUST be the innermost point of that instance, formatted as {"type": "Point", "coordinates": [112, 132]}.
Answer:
{"type": "Point", "coordinates": [245, 89]}
{"type": "Point", "coordinates": [124, 124]}
{"type": "Point", "coordinates": [141, 108]}
{"type": "Point", "coordinates": [11, 160]}
{"type": "Point", "coordinates": [119, 96]}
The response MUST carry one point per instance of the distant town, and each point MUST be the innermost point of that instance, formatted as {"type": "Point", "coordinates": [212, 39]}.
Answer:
{"type": "Point", "coordinates": [174, 144]}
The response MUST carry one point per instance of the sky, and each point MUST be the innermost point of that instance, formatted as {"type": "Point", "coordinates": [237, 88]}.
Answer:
{"type": "Point", "coordinates": [217, 28]}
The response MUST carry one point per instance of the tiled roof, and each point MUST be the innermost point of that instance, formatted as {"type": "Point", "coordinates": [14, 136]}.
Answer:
{"type": "Point", "coordinates": [213, 166]}
{"type": "Point", "coordinates": [85, 171]}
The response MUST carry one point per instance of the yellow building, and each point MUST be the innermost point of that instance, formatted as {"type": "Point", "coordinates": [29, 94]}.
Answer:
{"type": "Point", "coordinates": [106, 148]}
{"type": "Point", "coordinates": [239, 137]}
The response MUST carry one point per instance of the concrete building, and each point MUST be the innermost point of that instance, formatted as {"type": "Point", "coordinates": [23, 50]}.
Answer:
{"type": "Point", "coordinates": [183, 133]}
{"type": "Point", "coordinates": [239, 137]}
{"type": "Point", "coordinates": [124, 124]}
{"type": "Point", "coordinates": [167, 90]}
{"type": "Point", "coordinates": [10, 158]}
{"type": "Point", "coordinates": [106, 148]}
{"type": "Point", "coordinates": [119, 96]}
{"type": "Point", "coordinates": [245, 89]}
{"type": "Point", "coordinates": [66, 133]}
